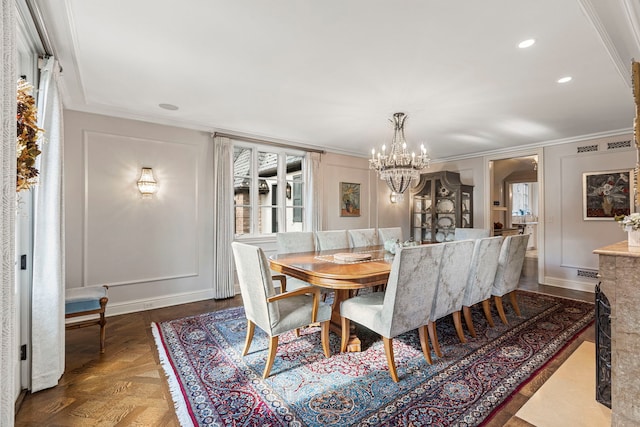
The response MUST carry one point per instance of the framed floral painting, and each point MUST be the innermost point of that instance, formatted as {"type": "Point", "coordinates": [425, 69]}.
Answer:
{"type": "Point", "coordinates": [607, 194]}
{"type": "Point", "coordinates": [349, 199]}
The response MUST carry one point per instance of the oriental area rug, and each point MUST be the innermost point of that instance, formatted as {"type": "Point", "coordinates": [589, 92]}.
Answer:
{"type": "Point", "coordinates": [213, 385]}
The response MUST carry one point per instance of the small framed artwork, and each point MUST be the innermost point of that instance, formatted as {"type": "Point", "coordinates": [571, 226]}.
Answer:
{"type": "Point", "coordinates": [349, 199]}
{"type": "Point", "coordinates": [607, 194]}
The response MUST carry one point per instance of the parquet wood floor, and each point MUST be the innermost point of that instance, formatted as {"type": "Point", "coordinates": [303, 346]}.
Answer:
{"type": "Point", "coordinates": [126, 386]}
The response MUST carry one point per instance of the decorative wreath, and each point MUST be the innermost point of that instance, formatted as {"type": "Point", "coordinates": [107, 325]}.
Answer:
{"type": "Point", "coordinates": [27, 137]}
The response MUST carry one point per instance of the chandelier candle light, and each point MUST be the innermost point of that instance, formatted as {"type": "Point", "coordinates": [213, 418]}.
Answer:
{"type": "Point", "coordinates": [399, 168]}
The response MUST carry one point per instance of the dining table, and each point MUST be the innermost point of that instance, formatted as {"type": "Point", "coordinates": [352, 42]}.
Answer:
{"type": "Point", "coordinates": [342, 270]}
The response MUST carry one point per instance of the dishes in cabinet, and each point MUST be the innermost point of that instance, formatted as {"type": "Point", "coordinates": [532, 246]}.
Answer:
{"type": "Point", "coordinates": [445, 222]}
{"type": "Point", "coordinates": [443, 191]}
{"type": "Point", "coordinates": [445, 206]}
{"type": "Point", "coordinates": [427, 236]}
{"type": "Point", "coordinates": [440, 236]}
{"type": "Point", "coordinates": [449, 237]}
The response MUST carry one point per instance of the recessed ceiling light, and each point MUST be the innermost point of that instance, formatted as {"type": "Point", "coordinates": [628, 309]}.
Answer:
{"type": "Point", "coordinates": [566, 79]}
{"type": "Point", "coordinates": [168, 106]}
{"type": "Point", "coordinates": [526, 43]}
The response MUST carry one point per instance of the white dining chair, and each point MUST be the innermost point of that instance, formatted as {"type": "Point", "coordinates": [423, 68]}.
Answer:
{"type": "Point", "coordinates": [411, 287]}
{"type": "Point", "coordinates": [389, 233]}
{"type": "Point", "coordinates": [470, 233]}
{"type": "Point", "coordinates": [510, 262]}
{"type": "Point", "coordinates": [275, 313]}
{"type": "Point", "coordinates": [363, 237]}
{"type": "Point", "coordinates": [294, 242]}
{"type": "Point", "coordinates": [484, 264]}
{"type": "Point", "coordinates": [452, 279]}
{"type": "Point", "coordinates": [333, 239]}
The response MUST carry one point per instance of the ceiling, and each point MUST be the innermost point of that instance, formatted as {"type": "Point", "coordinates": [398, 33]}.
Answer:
{"type": "Point", "coordinates": [331, 73]}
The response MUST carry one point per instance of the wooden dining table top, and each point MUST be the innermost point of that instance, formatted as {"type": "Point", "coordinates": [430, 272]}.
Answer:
{"type": "Point", "coordinates": [322, 269]}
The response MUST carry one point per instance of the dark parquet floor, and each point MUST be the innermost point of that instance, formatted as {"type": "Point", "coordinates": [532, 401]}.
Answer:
{"type": "Point", "coordinates": [126, 385]}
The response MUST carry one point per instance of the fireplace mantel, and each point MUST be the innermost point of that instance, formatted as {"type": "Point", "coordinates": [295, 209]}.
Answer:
{"type": "Point", "coordinates": [620, 277]}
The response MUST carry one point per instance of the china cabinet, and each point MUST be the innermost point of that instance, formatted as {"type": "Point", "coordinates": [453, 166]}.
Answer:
{"type": "Point", "coordinates": [440, 203]}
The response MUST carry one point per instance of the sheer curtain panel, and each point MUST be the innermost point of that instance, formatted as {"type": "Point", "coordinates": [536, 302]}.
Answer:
{"type": "Point", "coordinates": [8, 324]}
{"type": "Point", "coordinates": [314, 191]}
{"type": "Point", "coordinates": [47, 315]}
{"type": "Point", "coordinates": [223, 286]}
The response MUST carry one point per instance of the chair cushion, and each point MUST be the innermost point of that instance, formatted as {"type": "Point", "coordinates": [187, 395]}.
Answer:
{"type": "Point", "coordinates": [295, 312]}
{"type": "Point", "coordinates": [77, 300]}
{"type": "Point", "coordinates": [366, 310]}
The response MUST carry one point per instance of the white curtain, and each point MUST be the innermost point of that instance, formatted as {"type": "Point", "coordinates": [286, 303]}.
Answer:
{"type": "Point", "coordinates": [314, 191]}
{"type": "Point", "coordinates": [47, 315]}
{"type": "Point", "coordinates": [8, 324]}
{"type": "Point", "coordinates": [222, 218]}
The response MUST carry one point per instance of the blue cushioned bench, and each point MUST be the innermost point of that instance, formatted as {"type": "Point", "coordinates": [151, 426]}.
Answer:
{"type": "Point", "coordinates": [85, 302]}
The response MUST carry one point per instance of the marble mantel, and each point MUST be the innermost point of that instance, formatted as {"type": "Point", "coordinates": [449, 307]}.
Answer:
{"type": "Point", "coordinates": [620, 277]}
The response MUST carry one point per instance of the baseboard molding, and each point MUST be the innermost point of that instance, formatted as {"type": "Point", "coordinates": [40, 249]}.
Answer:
{"type": "Point", "coordinates": [115, 309]}
{"type": "Point", "coordinates": [570, 284]}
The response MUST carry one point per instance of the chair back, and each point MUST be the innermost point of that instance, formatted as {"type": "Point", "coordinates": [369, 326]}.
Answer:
{"type": "Point", "coordinates": [484, 264]}
{"type": "Point", "coordinates": [256, 285]}
{"type": "Point", "coordinates": [295, 241]}
{"type": "Point", "coordinates": [389, 233]}
{"type": "Point", "coordinates": [334, 239]}
{"type": "Point", "coordinates": [512, 253]}
{"type": "Point", "coordinates": [470, 233]}
{"type": "Point", "coordinates": [452, 280]}
{"type": "Point", "coordinates": [363, 237]}
{"type": "Point", "coordinates": [411, 288]}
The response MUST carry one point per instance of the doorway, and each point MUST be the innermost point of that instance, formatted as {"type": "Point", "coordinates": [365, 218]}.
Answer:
{"type": "Point", "coordinates": [515, 205]}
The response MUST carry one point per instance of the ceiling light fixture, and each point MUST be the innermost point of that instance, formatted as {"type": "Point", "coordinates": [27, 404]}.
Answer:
{"type": "Point", "coordinates": [566, 79]}
{"type": "Point", "coordinates": [526, 43]}
{"type": "Point", "coordinates": [399, 168]}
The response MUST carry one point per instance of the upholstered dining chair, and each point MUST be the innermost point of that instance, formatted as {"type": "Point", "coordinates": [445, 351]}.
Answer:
{"type": "Point", "coordinates": [470, 233]}
{"type": "Point", "coordinates": [275, 313]}
{"type": "Point", "coordinates": [454, 270]}
{"type": "Point", "coordinates": [389, 233]}
{"type": "Point", "coordinates": [334, 239]}
{"type": "Point", "coordinates": [411, 287]}
{"type": "Point", "coordinates": [482, 273]}
{"type": "Point", "coordinates": [512, 253]}
{"type": "Point", "coordinates": [363, 237]}
{"type": "Point", "coordinates": [292, 242]}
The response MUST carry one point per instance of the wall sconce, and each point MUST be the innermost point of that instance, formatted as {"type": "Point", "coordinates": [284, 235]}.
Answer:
{"type": "Point", "coordinates": [393, 197]}
{"type": "Point", "coordinates": [147, 184]}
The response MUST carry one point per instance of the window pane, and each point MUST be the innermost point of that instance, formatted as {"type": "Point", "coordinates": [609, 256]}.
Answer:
{"type": "Point", "coordinates": [243, 220]}
{"type": "Point", "coordinates": [294, 219]}
{"type": "Point", "coordinates": [268, 220]}
{"type": "Point", "coordinates": [267, 164]}
{"type": "Point", "coordinates": [242, 192]}
{"type": "Point", "coordinates": [296, 197]}
{"type": "Point", "coordinates": [267, 192]}
{"type": "Point", "coordinates": [294, 164]}
{"type": "Point", "coordinates": [242, 162]}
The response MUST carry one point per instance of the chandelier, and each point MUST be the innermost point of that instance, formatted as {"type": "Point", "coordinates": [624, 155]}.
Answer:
{"type": "Point", "coordinates": [399, 168]}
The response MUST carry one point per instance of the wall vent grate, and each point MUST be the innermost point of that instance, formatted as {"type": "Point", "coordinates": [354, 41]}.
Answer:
{"type": "Point", "coordinates": [588, 273]}
{"type": "Point", "coordinates": [588, 148]}
{"type": "Point", "coordinates": [619, 144]}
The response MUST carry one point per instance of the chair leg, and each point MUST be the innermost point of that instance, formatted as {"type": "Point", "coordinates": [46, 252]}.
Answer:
{"type": "Point", "coordinates": [103, 323]}
{"type": "Point", "coordinates": [388, 350]}
{"type": "Point", "coordinates": [297, 330]}
{"type": "Point", "coordinates": [273, 347]}
{"type": "Point", "coordinates": [486, 307]}
{"type": "Point", "coordinates": [424, 343]}
{"type": "Point", "coordinates": [433, 334]}
{"type": "Point", "coordinates": [346, 325]}
{"type": "Point", "coordinates": [514, 302]}
{"type": "Point", "coordinates": [500, 308]}
{"type": "Point", "coordinates": [247, 342]}
{"type": "Point", "coordinates": [468, 320]}
{"type": "Point", "coordinates": [324, 337]}
{"type": "Point", "coordinates": [458, 324]}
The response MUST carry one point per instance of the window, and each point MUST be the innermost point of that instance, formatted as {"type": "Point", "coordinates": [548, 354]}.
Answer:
{"type": "Point", "coordinates": [268, 189]}
{"type": "Point", "coordinates": [521, 204]}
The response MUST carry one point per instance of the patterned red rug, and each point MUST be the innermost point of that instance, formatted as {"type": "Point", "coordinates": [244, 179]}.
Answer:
{"type": "Point", "coordinates": [212, 384]}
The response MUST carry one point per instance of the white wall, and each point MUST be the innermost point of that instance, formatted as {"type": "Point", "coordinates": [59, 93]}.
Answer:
{"type": "Point", "coordinates": [569, 239]}
{"type": "Point", "coordinates": [338, 168]}
{"type": "Point", "coordinates": [152, 252]}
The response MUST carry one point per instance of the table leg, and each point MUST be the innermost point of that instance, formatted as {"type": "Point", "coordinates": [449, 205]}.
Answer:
{"type": "Point", "coordinates": [354, 344]}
